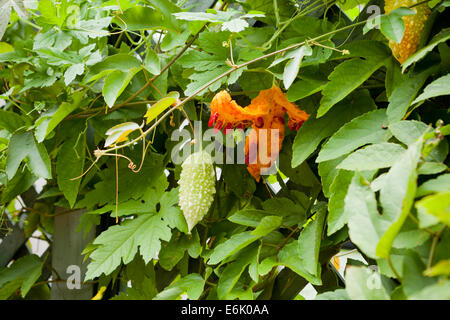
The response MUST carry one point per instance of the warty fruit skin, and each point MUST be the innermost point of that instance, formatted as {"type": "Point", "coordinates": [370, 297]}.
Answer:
{"type": "Point", "coordinates": [197, 187]}
{"type": "Point", "coordinates": [414, 25]}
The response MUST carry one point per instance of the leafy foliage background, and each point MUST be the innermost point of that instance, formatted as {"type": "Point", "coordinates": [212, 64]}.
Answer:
{"type": "Point", "coordinates": [369, 168]}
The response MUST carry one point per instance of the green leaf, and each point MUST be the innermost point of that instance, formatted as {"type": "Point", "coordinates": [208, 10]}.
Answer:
{"type": "Point", "coordinates": [174, 251]}
{"type": "Point", "coordinates": [149, 183]}
{"type": "Point", "coordinates": [115, 84]}
{"type": "Point", "coordinates": [267, 225]}
{"type": "Point", "coordinates": [73, 71]}
{"type": "Point", "coordinates": [304, 87]}
{"type": "Point", "coordinates": [314, 130]}
{"type": "Point", "coordinates": [437, 205]}
{"type": "Point", "coordinates": [440, 268]}
{"type": "Point", "coordinates": [200, 79]}
{"type": "Point", "coordinates": [174, 39]}
{"type": "Point", "coordinates": [338, 216]}
{"type": "Point", "coordinates": [364, 284]}
{"type": "Point", "coordinates": [410, 236]}
{"type": "Point", "coordinates": [438, 87]}
{"type": "Point", "coordinates": [20, 183]}
{"type": "Point", "coordinates": [19, 7]}
{"type": "Point", "coordinates": [370, 127]}
{"type": "Point", "coordinates": [191, 60]}
{"type": "Point", "coordinates": [439, 184]}
{"type": "Point", "coordinates": [23, 145]}
{"type": "Point", "coordinates": [49, 123]}
{"type": "Point", "coordinates": [283, 208]}
{"type": "Point", "coordinates": [10, 121]}
{"type": "Point", "coordinates": [292, 213]}
{"type": "Point", "coordinates": [151, 62]}
{"type": "Point", "coordinates": [248, 217]}
{"type": "Point", "coordinates": [339, 294]}
{"type": "Point", "coordinates": [293, 65]}
{"type": "Point", "coordinates": [392, 25]}
{"type": "Point", "coordinates": [365, 224]}
{"type": "Point", "coordinates": [143, 18]}
{"type": "Point", "coordinates": [142, 280]}
{"type": "Point", "coordinates": [445, 130]}
{"type": "Point", "coordinates": [397, 195]}
{"type": "Point", "coordinates": [123, 4]}
{"type": "Point", "coordinates": [301, 175]}
{"type": "Point", "coordinates": [375, 156]}
{"type": "Point", "coordinates": [438, 291]}
{"type": "Point", "coordinates": [212, 42]}
{"type": "Point", "coordinates": [125, 208]}
{"type": "Point", "coordinates": [407, 131]}
{"type": "Point", "coordinates": [192, 285]}
{"type": "Point", "coordinates": [172, 213]}
{"type": "Point", "coordinates": [404, 93]}
{"type": "Point", "coordinates": [45, 39]}
{"type": "Point", "coordinates": [233, 177]}
{"type": "Point", "coordinates": [167, 9]}
{"type": "Point", "coordinates": [9, 288]}
{"type": "Point", "coordinates": [328, 172]}
{"type": "Point", "coordinates": [289, 257]}
{"type": "Point", "coordinates": [51, 14]}
{"type": "Point", "coordinates": [394, 76]}
{"type": "Point", "coordinates": [120, 132]}
{"type": "Point", "coordinates": [350, 4]}
{"type": "Point", "coordinates": [156, 109]}
{"type": "Point", "coordinates": [386, 270]}
{"type": "Point", "coordinates": [431, 168]}
{"type": "Point", "coordinates": [231, 246]}
{"type": "Point", "coordinates": [121, 61]}
{"type": "Point", "coordinates": [39, 80]}
{"type": "Point", "coordinates": [350, 74]}
{"type": "Point", "coordinates": [235, 25]}
{"type": "Point", "coordinates": [266, 6]}
{"type": "Point", "coordinates": [56, 57]}
{"type": "Point", "coordinates": [23, 273]}
{"type": "Point", "coordinates": [4, 16]}
{"type": "Point", "coordinates": [413, 279]}
{"type": "Point", "coordinates": [5, 47]}
{"type": "Point", "coordinates": [121, 242]}
{"type": "Point", "coordinates": [309, 243]}
{"type": "Point", "coordinates": [442, 36]}
{"type": "Point", "coordinates": [70, 164]}
{"type": "Point", "coordinates": [202, 16]}
{"type": "Point", "coordinates": [233, 271]}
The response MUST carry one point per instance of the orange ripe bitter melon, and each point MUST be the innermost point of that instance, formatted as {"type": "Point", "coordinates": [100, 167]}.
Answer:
{"type": "Point", "coordinates": [414, 25]}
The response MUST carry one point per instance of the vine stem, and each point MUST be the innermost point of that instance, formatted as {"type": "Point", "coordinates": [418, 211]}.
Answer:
{"type": "Point", "coordinates": [433, 246]}
{"type": "Point", "coordinates": [287, 238]}
{"type": "Point", "coordinates": [226, 73]}
{"type": "Point", "coordinates": [391, 265]}
{"type": "Point", "coordinates": [117, 187]}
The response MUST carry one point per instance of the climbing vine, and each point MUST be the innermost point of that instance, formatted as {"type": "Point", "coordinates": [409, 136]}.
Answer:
{"type": "Point", "coordinates": [240, 149]}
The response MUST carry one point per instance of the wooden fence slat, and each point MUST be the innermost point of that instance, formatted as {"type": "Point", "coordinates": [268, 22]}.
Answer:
{"type": "Point", "coordinates": [10, 244]}
{"type": "Point", "coordinates": [66, 256]}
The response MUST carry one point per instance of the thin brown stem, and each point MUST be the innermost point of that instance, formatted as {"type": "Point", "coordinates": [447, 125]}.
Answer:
{"type": "Point", "coordinates": [397, 275]}
{"type": "Point", "coordinates": [117, 187]}
{"type": "Point", "coordinates": [436, 238]}
{"type": "Point", "coordinates": [287, 238]}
